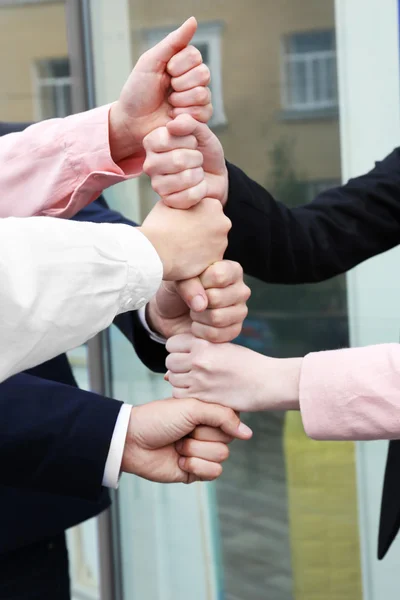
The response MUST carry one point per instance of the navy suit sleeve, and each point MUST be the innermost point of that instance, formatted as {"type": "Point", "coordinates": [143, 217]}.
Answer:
{"type": "Point", "coordinates": [53, 437]}
{"type": "Point", "coordinates": [6, 128]}
{"type": "Point", "coordinates": [151, 353]}
{"type": "Point", "coordinates": [341, 228]}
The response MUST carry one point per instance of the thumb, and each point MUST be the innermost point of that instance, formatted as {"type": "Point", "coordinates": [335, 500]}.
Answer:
{"type": "Point", "coordinates": [170, 45]}
{"type": "Point", "coordinates": [193, 294]}
{"type": "Point", "coordinates": [215, 415]}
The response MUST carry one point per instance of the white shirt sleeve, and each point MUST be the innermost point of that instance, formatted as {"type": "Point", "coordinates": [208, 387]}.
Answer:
{"type": "Point", "coordinates": [61, 282]}
{"type": "Point", "coordinates": [112, 469]}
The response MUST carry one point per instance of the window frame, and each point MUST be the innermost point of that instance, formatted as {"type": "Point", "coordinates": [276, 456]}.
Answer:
{"type": "Point", "coordinates": [288, 58]}
{"type": "Point", "coordinates": [56, 83]}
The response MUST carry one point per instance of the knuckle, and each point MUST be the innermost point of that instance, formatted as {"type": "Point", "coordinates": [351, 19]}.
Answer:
{"type": "Point", "coordinates": [217, 317]}
{"type": "Point", "coordinates": [228, 224]}
{"type": "Point", "coordinates": [198, 158]}
{"type": "Point", "coordinates": [214, 297]}
{"type": "Point", "coordinates": [148, 165]}
{"type": "Point", "coordinates": [187, 447]}
{"type": "Point", "coordinates": [190, 464]}
{"type": "Point", "coordinates": [238, 270]}
{"type": "Point", "coordinates": [188, 177]}
{"type": "Point", "coordinates": [220, 274]}
{"type": "Point", "coordinates": [195, 55]}
{"type": "Point", "coordinates": [197, 113]}
{"type": "Point", "coordinates": [156, 184]}
{"type": "Point", "coordinates": [194, 194]}
{"type": "Point", "coordinates": [207, 112]}
{"type": "Point", "coordinates": [236, 329]}
{"type": "Point", "coordinates": [213, 335]}
{"type": "Point", "coordinates": [224, 453]}
{"type": "Point", "coordinates": [246, 292]}
{"type": "Point", "coordinates": [205, 73]}
{"type": "Point", "coordinates": [202, 95]}
{"type": "Point", "coordinates": [178, 159]}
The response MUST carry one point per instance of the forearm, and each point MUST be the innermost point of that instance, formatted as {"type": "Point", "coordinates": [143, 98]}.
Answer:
{"type": "Point", "coordinates": [352, 394]}
{"type": "Point", "coordinates": [62, 282]}
{"type": "Point", "coordinates": [54, 438]}
{"type": "Point", "coordinates": [58, 166]}
{"type": "Point", "coordinates": [338, 230]}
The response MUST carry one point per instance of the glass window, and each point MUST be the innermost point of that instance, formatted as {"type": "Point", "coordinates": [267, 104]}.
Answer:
{"type": "Point", "coordinates": [249, 535]}
{"type": "Point", "coordinates": [309, 65]}
{"type": "Point", "coordinates": [53, 81]}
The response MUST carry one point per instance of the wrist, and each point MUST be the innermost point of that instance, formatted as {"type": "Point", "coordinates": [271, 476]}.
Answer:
{"type": "Point", "coordinates": [153, 320]}
{"type": "Point", "coordinates": [129, 459]}
{"type": "Point", "coordinates": [277, 383]}
{"type": "Point", "coordinates": [158, 246]}
{"type": "Point", "coordinates": [289, 370]}
{"type": "Point", "coordinates": [121, 139]}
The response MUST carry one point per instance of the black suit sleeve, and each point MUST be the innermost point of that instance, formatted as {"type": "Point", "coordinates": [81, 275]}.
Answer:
{"type": "Point", "coordinates": [53, 437]}
{"type": "Point", "coordinates": [338, 230]}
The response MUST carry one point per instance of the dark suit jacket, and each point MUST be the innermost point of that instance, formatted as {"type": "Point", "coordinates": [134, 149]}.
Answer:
{"type": "Point", "coordinates": [337, 231]}
{"type": "Point", "coordinates": [45, 429]}
{"type": "Point", "coordinates": [48, 422]}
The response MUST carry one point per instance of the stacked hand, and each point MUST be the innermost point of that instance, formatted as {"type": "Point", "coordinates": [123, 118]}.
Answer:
{"type": "Point", "coordinates": [157, 447]}
{"type": "Point", "coordinates": [146, 102]}
{"type": "Point", "coordinates": [186, 164]}
{"type": "Point", "coordinates": [231, 375]}
{"type": "Point", "coordinates": [180, 440]}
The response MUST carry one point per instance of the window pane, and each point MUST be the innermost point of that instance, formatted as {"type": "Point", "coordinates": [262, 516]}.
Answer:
{"type": "Point", "coordinates": [297, 83]}
{"type": "Point", "coordinates": [48, 101]}
{"type": "Point", "coordinates": [313, 41]}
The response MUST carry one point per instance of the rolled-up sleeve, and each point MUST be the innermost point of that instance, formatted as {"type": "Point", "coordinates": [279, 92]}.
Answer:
{"type": "Point", "coordinates": [57, 167]}
{"type": "Point", "coordinates": [61, 282]}
{"type": "Point", "coordinates": [352, 394]}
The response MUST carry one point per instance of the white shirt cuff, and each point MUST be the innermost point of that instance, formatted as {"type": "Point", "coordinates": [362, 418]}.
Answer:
{"type": "Point", "coordinates": [112, 469]}
{"type": "Point", "coordinates": [154, 336]}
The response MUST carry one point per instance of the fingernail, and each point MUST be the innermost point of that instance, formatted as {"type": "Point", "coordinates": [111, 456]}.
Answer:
{"type": "Point", "coordinates": [198, 303]}
{"type": "Point", "coordinates": [244, 430]}
{"type": "Point", "coordinates": [181, 462]}
{"type": "Point", "coordinates": [166, 376]}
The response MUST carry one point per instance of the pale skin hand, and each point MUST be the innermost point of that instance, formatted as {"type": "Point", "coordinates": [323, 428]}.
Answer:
{"type": "Point", "coordinates": [187, 241]}
{"type": "Point", "coordinates": [157, 448]}
{"type": "Point", "coordinates": [226, 295]}
{"type": "Point", "coordinates": [186, 163]}
{"type": "Point", "coordinates": [231, 375]}
{"type": "Point", "coordinates": [146, 101]}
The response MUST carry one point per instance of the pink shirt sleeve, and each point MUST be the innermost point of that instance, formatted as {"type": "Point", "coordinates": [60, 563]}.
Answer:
{"type": "Point", "coordinates": [352, 394]}
{"type": "Point", "coordinates": [58, 166]}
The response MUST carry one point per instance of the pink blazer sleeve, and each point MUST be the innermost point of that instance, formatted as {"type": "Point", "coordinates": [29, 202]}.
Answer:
{"type": "Point", "coordinates": [352, 394]}
{"type": "Point", "coordinates": [57, 167]}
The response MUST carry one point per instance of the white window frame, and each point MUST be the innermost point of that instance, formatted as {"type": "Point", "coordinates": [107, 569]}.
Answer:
{"type": "Point", "coordinates": [57, 83]}
{"type": "Point", "coordinates": [308, 59]}
{"type": "Point", "coordinates": [207, 34]}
